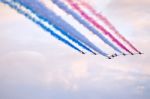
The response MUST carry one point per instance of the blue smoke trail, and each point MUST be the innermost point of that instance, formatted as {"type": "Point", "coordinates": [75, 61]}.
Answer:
{"type": "Point", "coordinates": [12, 5]}
{"type": "Point", "coordinates": [51, 17]}
{"type": "Point", "coordinates": [84, 23]}
{"type": "Point", "coordinates": [64, 33]}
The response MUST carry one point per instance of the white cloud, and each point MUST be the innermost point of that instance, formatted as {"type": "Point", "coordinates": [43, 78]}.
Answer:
{"type": "Point", "coordinates": [31, 57]}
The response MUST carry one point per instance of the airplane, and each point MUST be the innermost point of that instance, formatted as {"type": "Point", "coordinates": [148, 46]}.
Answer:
{"type": "Point", "coordinates": [115, 55]}
{"type": "Point", "coordinates": [94, 53]}
{"type": "Point", "coordinates": [109, 58]}
{"type": "Point", "coordinates": [124, 54]}
{"type": "Point", "coordinates": [112, 56]}
{"type": "Point", "coordinates": [82, 52]}
{"type": "Point", "coordinates": [132, 54]}
{"type": "Point", "coordinates": [141, 53]}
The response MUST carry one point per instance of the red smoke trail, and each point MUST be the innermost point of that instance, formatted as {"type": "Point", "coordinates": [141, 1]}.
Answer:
{"type": "Point", "coordinates": [105, 20]}
{"type": "Point", "coordinates": [76, 7]}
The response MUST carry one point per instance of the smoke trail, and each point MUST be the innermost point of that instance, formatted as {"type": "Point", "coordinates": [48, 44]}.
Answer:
{"type": "Point", "coordinates": [83, 22]}
{"type": "Point", "coordinates": [106, 21]}
{"type": "Point", "coordinates": [73, 39]}
{"type": "Point", "coordinates": [19, 10]}
{"type": "Point", "coordinates": [66, 34]}
{"type": "Point", "coordinates": [50, 16]}
{"type": "Point", "coordinates": [75, 6]}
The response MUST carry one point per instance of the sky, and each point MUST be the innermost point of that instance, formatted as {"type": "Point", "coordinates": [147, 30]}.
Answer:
{"type": "Point", "coordinates": [34, 65]}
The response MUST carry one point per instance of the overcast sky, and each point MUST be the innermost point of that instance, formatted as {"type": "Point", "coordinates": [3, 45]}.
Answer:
{"type": "Point", "coordinates": [34, 65]}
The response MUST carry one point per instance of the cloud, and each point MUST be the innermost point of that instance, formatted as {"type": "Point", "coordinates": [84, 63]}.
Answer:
{"type": "Point", "coordinates": [132, 13]}
{"type": "Point", "coordinates": [21, 67]}
{"type": "Point", "coordinates": [34, 65]}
